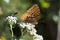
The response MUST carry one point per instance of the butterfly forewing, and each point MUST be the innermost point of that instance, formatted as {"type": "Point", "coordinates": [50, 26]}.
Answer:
{"type": "Point", "coordinates": [32, 15]}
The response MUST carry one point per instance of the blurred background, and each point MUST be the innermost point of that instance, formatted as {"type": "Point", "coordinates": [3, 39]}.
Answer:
{"type": "Point", "coordinates": [49, 16]}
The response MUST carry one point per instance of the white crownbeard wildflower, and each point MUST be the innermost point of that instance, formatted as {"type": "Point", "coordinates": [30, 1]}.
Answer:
{"type": "Point", "coordinates": [37, 37]}
{"type": "Point", "coordinates": [29, 26]}
{"type": "Point", "coordinates": [11, 19]}
{"type": "Point", "coordinates": [22, 24]}
{"type": "Point", "coordinates": [33, 31]}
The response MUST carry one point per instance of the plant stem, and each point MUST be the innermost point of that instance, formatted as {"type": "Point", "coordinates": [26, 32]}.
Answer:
{"type": "Point", "coordinates": [11, 31]}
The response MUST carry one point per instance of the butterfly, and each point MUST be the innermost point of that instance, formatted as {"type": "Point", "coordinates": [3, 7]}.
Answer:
{"type": "Point", "coordinates": [32, 15]}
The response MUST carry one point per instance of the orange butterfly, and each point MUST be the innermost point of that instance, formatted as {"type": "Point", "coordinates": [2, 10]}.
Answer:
{"type": "Point", "coordinates": [32, 15]}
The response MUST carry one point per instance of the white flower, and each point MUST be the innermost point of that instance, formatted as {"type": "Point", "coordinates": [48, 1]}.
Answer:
{"type": "Point", "coordinates": [11, 19]}
{"type": "Point", "coordinates": [29, 26]}
{"type": "Point", "coordinates": [23, 25]}
{"type": "Point", "coordinates": [37, 37]}
{"type": "Point", "coordinates": [33, 31]}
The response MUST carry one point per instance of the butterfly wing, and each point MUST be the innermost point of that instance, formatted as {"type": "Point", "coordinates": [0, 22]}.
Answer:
{"type": "Point", "coordinates": [32, 15]}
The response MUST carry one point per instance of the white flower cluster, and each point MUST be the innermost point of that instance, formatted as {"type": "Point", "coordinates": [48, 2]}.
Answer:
{"type": "Point", "coordinates": [32, 30]}
{"type": "Point", "coordinates": [37, 37]}
{"type": "Point", "coordinates": [11, 19]}
{"type": "Point", "coordinates": [29, 26]}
